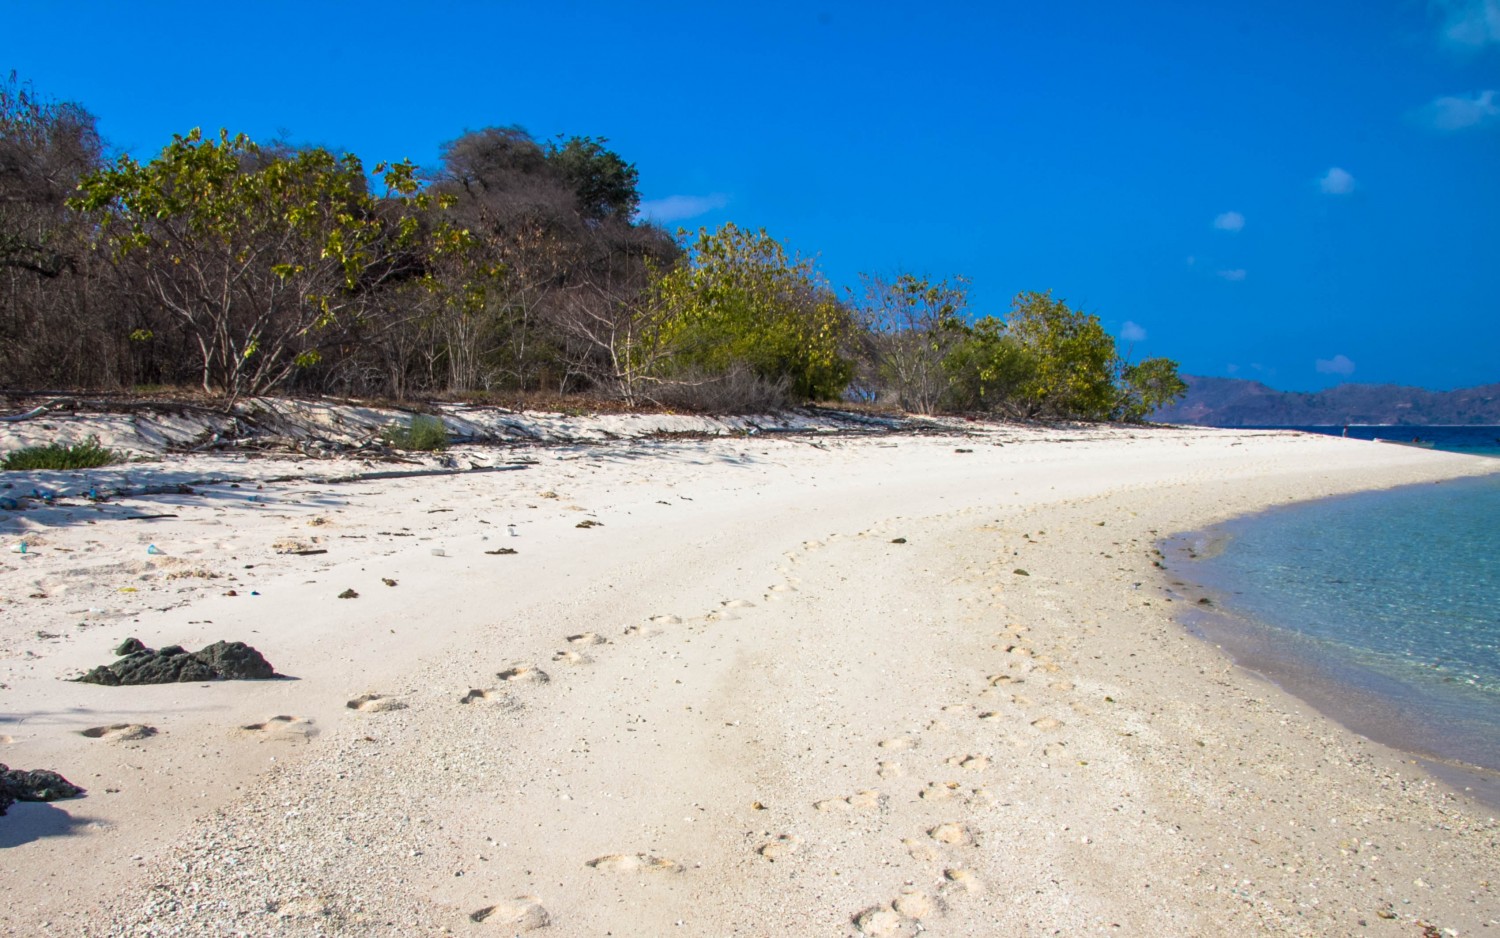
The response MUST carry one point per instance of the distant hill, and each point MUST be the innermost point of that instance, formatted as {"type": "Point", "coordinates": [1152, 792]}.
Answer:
{"type": "Point", "coordinates": [1231, 402]}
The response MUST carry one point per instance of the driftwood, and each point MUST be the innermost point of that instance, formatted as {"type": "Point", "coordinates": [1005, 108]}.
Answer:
{"type": "Point", "coordinates": [33, 412]}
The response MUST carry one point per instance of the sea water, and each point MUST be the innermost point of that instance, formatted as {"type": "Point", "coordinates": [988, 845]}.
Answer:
{"type": "Point", "coordinates": [1474, 440]}
{"type": "Point", "coordinates": [1379, 608]}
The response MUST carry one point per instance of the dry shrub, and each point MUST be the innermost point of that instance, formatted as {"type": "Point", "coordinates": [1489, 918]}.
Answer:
{"type": "Point", "coordinates": [737, 391]}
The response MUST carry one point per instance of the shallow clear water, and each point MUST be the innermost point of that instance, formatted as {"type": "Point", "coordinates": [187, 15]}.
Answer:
{"type": "Point", "coordinates": [1379, 607]}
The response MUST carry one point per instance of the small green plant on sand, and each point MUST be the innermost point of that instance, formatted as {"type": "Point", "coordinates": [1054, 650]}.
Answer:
{"type": "Point", "coordinates": [86, 455]}
{"type": "Point", "coordinates": [423, 433]}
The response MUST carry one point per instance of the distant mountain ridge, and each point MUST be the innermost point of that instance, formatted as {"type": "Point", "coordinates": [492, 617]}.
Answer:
{"type": "Point", "coordinates": [1234, 402]}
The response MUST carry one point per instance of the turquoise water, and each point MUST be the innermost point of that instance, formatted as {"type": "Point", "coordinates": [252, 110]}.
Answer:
{"type": "Point", "coordinates": [1379, 608]}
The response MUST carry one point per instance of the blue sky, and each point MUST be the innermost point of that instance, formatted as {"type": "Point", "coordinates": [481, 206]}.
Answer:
{"type": "Point", "coordinates": [1301, 193]}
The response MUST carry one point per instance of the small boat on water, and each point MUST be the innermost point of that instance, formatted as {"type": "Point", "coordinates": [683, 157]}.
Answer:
{"type": "Point", "coordinates": [1421, 444]}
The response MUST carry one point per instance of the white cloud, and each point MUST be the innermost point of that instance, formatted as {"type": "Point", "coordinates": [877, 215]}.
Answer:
{"type": "Point", "coordinates": [1469, 24]}
{"type": "Point", "coordinates": [1232, 368]}
{"type": "Point", "coordinates": [1230, 221]}
{"type": "Point", "coordinates": [1456, 112]}
{"type": "Point", "coordinates": [1337, 365]}
{"type": "Point", "coordinates": [1336, 182]}
{"type": "Point", "coordinates": [1234, 276]}
{"type": "Point", "coordinates": [681, 207]}
{"type": "Point", "coordinates": [1132, 332]}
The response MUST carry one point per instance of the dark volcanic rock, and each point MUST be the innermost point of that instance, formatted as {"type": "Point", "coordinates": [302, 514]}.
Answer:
{"type": "Point", "coordinates": [221, 661]}
{"type": "Point", "coordinates": [36, 785]}
{"type": "Point", "coordinates": [130, 646]}
{"type": "Point", "coordinates": [236, 661]}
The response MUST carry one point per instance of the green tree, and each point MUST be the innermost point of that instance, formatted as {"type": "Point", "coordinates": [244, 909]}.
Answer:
{"type": "Point", "coordinates": [1073, 362]}
{"type": "Point", "coordinates": [987, 370]}
{"type": "Point", "coordinates": [1152, 384]}
{"type": "Point", "coordinates": [602, 182]}
{"type": "Point", "coordinates": [259, 255]}
{"type": "Point", "coordinates": [740, 300]}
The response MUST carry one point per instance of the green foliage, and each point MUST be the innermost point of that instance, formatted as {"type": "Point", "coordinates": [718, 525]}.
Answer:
{"type": "Point", "coordinates": [1147, 386]}
{"type": "Point", "coordinates": [603, 183]}
{"type": "Point", "coordinates": [1073, 362]}
{"type": "Point", "coordinates": [423, 433]}
{"type": "Point", "coordinates": [987, 369]}
{"type": "Point", "coordinates": [739, 299]}
{"type": "Point", "coordinates": [86, 455]}
{"type": "Point", "coordinates": [258, 252]}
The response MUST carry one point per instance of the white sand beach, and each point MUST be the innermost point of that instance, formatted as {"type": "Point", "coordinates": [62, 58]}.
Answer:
{"type": "Point", "coordinates": [782, 685]}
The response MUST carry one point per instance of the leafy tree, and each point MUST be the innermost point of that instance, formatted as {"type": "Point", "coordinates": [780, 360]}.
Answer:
{"type": "Point", "coordinates": [1072, 360]}
{"type": "Point", "coordinates": [1152, 384]}
{"type": "Point", "coordinates": [259, 257]}
{"type": "Point", "coordinates": [987, 370]}
{"type": "Point", "coordinates": [911, 325]}
{"type": "Point", "coordinates": [739, 299]}
{"type": "Point", "coordinates": [603, 184]}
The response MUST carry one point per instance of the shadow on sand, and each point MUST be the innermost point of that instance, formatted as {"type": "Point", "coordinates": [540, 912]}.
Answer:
{"type": "Point", "coordinates": [27, 821]}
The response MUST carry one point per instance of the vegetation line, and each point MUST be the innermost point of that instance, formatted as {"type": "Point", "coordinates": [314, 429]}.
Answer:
{"type": "Point", "coordinates": [513, 266]}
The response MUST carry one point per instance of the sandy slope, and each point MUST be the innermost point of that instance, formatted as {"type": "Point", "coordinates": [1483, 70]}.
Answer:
{"type": "Point", "coordinates": [785, 686]}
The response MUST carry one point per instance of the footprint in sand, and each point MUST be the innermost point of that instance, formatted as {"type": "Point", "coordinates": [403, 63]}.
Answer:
{"type": "Point", "coordinates": [972, 763]}
{"type": "Point", "coordinates": [898, 743]}
{"type": "Point", "coordinates": [303, 907]}
{"type": "Point", "coordinates": [375, 703]}
{"type": "Point", "coordinates": [587, 638]}
{"type": "Point", "coordinates": [665, 620]}
{"type": "Point", "coordinates": [780, 848]}
{"type": "Point", "coordinates": [889, 769]}
{"type": "Point", "coordinates": [983, 797]}
{"type": "Point", "coordinates": [737, 604]}
{"type": "Point", "coordinates": [115, 732]}
{"type": "Point", "coordinates": [490, 697]}
{"type": "Point", "coordinates": [634, 863]}
{"type": "Point", "coordinates": [867, 800]}
{"type": "Point", "coordinates": [523, 674]}
{"type": "Point", "coordinates": [523, 913]}
{"type": "Point", "coordinates": [960, 881]}
{"type": "Point", "coordinates": [879, 921]}
{"type": "Point", "coordinates": [921, 851]}
{"type": "Point", "coordinates": [1047, 724]}
{"type": "Point", "coordinates": [286, 729]}
{"type": "Point", "coordinates": [913, 904]}
{"type": "Point", "coordinates": [568, 656]}
{"type": "Point", "coordinates": [952, 833]}
{"type": "Point", "coordinates": [938, 791]}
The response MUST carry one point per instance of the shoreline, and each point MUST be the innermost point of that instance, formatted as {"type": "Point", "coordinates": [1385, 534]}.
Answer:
{"type": "Point", "coordinates": [1361, 700]}
{"type": "Point", "coordinates": [793, 685]}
